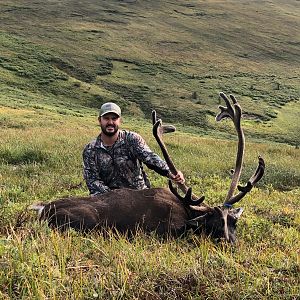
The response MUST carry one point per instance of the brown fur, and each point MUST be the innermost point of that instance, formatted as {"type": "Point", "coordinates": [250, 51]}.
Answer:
{"type": "Point", "coordinates": [151, 210]}
{"type": "Point", "coordinates": [154, 209]}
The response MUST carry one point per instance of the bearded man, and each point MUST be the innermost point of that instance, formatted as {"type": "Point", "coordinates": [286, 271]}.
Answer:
{"type": "Point", "coordinates": [114, 159]}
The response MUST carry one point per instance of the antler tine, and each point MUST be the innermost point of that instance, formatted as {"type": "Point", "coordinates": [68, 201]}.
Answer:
{"type": "Point", "coordinates": [187, 199]}
{"type": "Point", "coordinates": [154, 117]}
{"type": "Point", "coordinates": [226, 112]}
{"type": "Point", "coordinates": [158, 130]}
{"type": "Point", "coordinates": [161, 129]}
{"type": "Point", "coordinates": [259, 172]}
{"type": "Point", "coordinates": [257, 175]}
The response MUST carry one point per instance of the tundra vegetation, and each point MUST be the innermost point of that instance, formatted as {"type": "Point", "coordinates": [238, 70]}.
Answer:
{"type": "Point", "coordinates": [60, 60]}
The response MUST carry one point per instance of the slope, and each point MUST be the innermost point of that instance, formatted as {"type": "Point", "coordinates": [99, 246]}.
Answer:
{"type": "Point", "coordinates": [174, 56]}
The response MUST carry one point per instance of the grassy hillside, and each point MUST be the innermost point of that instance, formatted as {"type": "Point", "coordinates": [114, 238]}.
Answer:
{"type": "Point", "coordinates": [174, 56]}
{"type": "Point", "coordinates": [59, 60]}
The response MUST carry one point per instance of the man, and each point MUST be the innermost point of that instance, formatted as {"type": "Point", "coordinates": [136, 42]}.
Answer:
{"type": "Point", "coordinates": [114, 159]}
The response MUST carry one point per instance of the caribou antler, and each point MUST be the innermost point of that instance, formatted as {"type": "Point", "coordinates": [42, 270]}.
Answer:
{"type": "Point", "coordinates": [187, 199]}
{"type": "Point", "coordinates": [234, 112]}
{"type": "Point", "coordinates": [158, 130]}
{"type": "Point", "coordinates": [258, 174]}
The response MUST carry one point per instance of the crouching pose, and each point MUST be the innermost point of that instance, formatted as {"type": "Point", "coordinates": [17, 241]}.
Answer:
{"type": "Point", "coordinates": [115, 158]}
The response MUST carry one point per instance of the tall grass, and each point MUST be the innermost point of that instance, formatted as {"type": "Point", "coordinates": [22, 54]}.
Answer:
{"type": "Point", "coordinates": [42, 161]}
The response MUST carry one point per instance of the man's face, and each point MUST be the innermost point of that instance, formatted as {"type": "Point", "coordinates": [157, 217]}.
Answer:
{"type": "Point", "coordinates": [110, 124]}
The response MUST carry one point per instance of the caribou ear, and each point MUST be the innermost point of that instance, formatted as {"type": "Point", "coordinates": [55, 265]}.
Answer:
{"type": "Point", "coordinates": [236, 212]}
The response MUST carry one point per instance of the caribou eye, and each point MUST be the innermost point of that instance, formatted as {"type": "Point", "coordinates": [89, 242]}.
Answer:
{"type": "Point", "coordinates": [232, 220]}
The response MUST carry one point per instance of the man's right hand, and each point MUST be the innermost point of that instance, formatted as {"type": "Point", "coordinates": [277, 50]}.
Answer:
{"type": "Point", "coordinates": [178, 178]}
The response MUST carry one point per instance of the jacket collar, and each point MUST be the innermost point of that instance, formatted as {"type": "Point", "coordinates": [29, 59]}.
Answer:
{"type": "Point", "coordinates": [119, 141]}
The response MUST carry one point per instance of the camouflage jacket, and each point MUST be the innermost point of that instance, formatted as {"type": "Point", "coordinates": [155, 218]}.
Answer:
{"type": "Point", "coordinates": [120, 165]}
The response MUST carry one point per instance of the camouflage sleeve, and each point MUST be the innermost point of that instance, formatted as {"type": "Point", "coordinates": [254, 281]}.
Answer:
{"type": "Point", "coordinates": [142, 151]}
{"type": "Point", "coordinates": [90, 173]}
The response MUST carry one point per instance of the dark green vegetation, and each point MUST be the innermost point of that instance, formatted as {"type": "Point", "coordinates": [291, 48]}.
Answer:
{"type": "Point", "coordinates": [59, 60]}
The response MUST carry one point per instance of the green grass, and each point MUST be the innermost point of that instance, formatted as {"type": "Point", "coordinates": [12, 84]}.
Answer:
{"type": "Point", "coordinates": [59, 61]}
{"type": "Point", "coordinates": [39, 263]}
{"type": "Point", "coordinates": [145, 268]}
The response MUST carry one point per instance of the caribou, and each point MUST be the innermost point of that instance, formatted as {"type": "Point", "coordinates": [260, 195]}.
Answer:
{"type": "Point", "coordinates": [160, 210]}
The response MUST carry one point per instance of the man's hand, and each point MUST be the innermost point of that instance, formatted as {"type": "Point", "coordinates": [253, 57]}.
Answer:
{"type": "Point", "coordinates": [178, 178]}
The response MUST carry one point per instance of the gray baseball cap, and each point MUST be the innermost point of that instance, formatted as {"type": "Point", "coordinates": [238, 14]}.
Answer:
{"type": "Point", "coordinates": [110, 107]}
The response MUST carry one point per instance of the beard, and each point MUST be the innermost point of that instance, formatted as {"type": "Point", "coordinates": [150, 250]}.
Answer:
{"type": "Point", "coordinates": [110, 132]}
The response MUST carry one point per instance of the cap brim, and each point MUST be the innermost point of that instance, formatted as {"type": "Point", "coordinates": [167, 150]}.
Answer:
{"type": "Point", "coordinates": [110, 111]}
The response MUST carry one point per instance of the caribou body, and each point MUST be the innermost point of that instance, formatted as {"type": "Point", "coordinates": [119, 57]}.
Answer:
{"type": "Point", "coordinates": [159, 210]}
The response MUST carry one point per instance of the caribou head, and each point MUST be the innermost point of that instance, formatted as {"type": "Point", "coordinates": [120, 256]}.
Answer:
{"type": "Point", "coordinates": [161, 210]}
{"type": "Point", "coordinates": [219, 221]}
